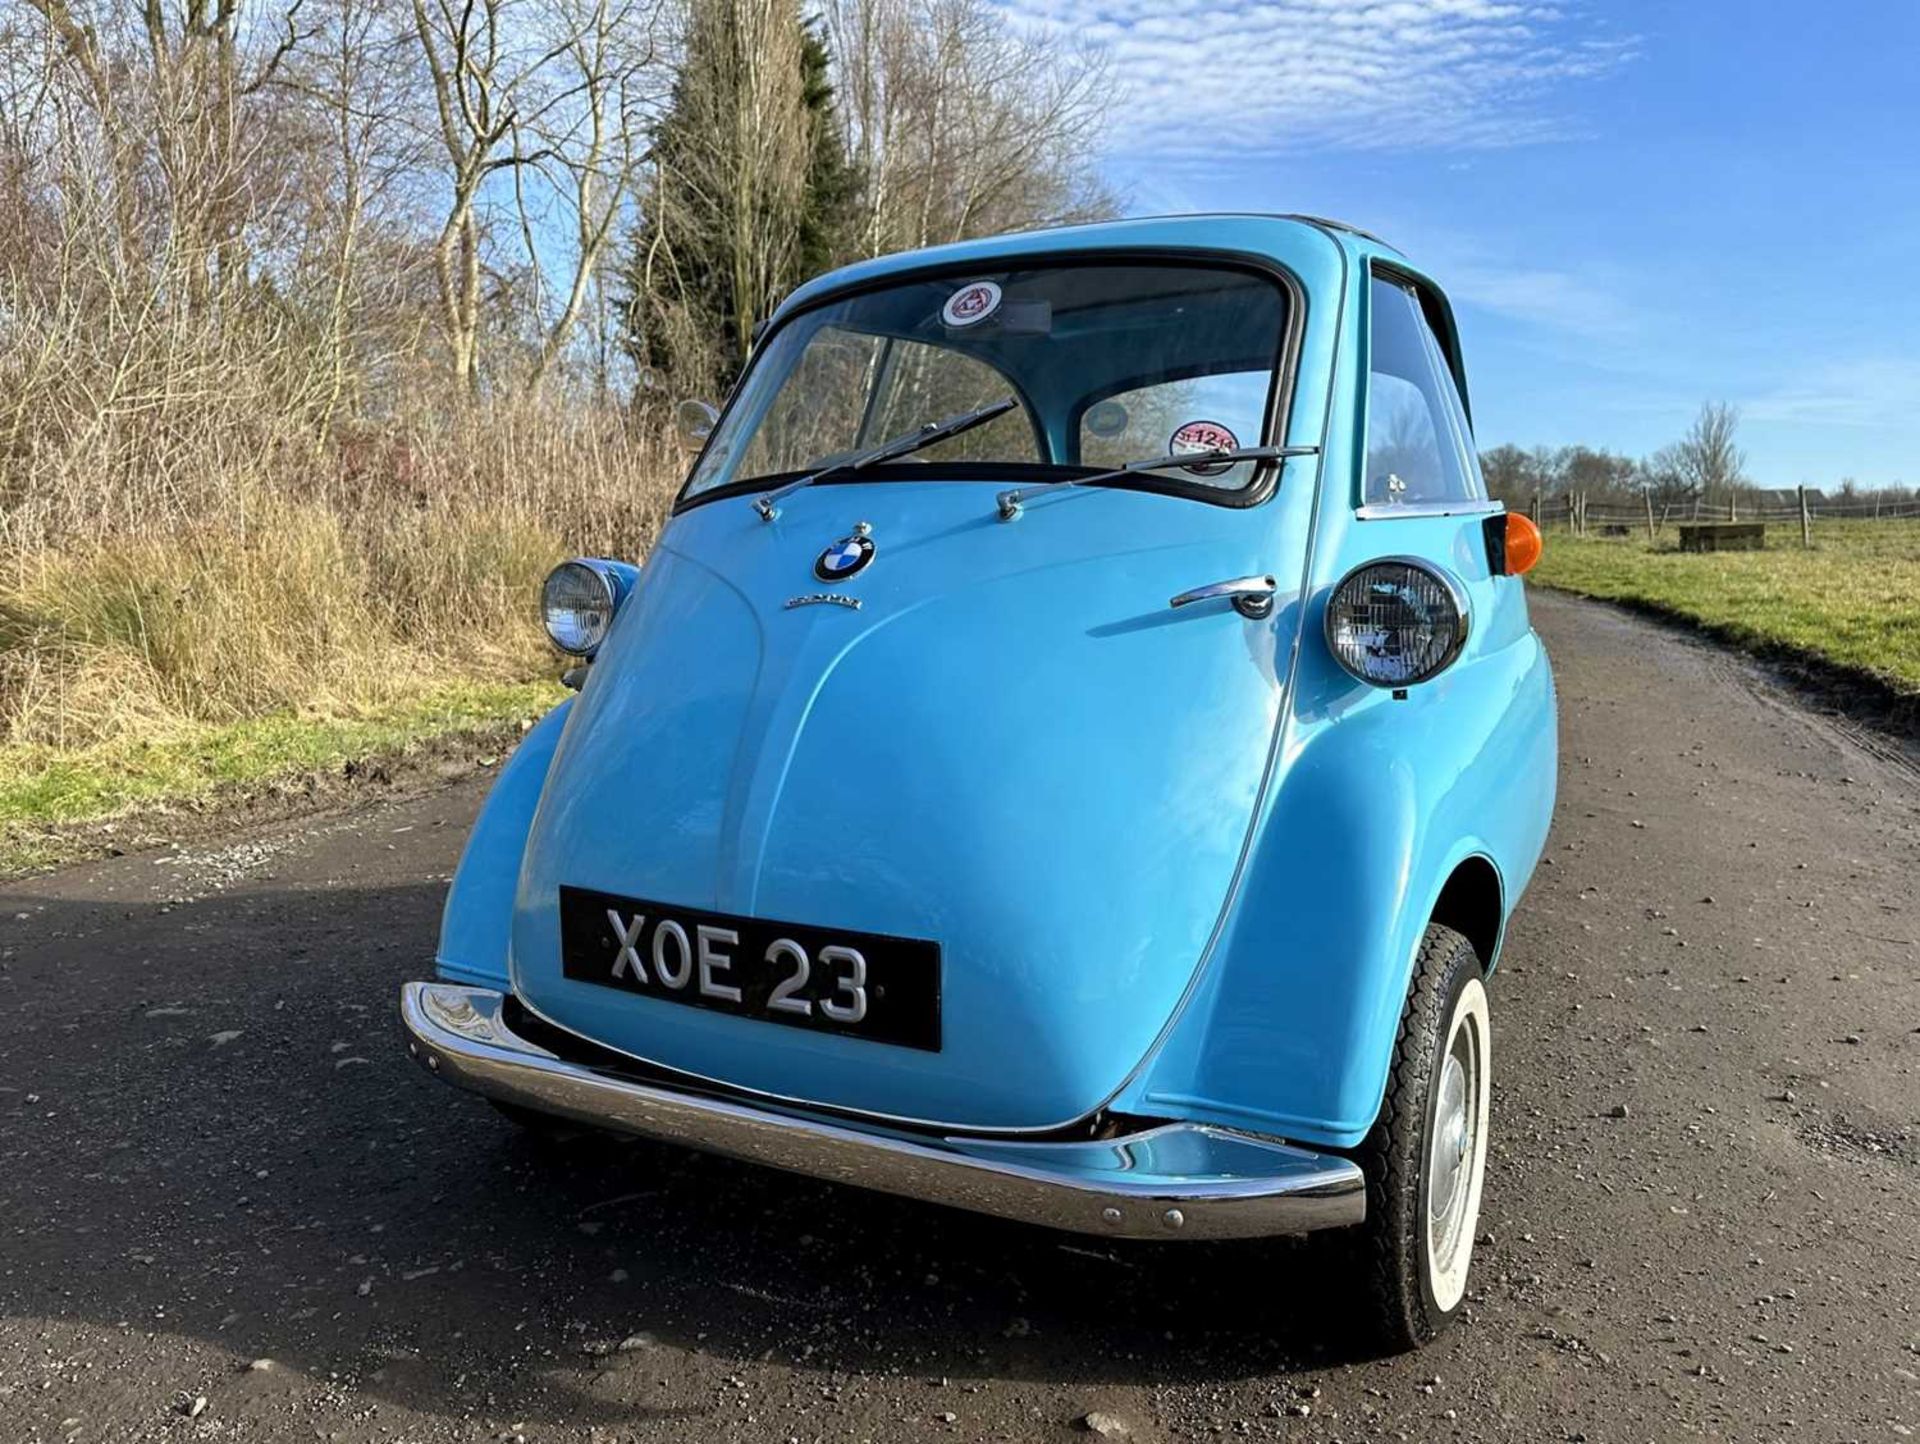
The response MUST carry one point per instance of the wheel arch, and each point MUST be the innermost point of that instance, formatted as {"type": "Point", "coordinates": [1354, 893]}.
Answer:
{"type": "Point", "coordinates": [1472, 902]}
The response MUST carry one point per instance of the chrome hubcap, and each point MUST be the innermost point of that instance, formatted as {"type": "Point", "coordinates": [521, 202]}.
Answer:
{"type": "Point", "coordinates": [1450, 1154]}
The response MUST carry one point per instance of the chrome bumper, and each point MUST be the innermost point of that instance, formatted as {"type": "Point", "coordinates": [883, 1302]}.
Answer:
{"type": "Point", "coordinates": [1176, 1180]}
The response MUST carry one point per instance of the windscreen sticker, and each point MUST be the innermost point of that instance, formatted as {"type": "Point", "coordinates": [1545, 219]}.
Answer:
{"type": "Point", "coordinates": [1106, 419]}
{"type": "Point", "coordinates": [971, 304]}
{"type": "Point", "coordinates": [1204, 436]}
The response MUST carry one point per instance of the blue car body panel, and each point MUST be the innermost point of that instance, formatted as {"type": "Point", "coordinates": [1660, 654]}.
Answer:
{"type": "Point", "coordinates": [902, 770]}
{"type": "Point", "coordinates": [476, 925]}
{"type": "Point", "coordinates": [1178, 863]}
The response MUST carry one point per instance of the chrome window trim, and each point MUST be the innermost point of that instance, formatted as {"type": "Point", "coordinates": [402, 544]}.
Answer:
{"type": "Point", "coordinates": [1408, 510]}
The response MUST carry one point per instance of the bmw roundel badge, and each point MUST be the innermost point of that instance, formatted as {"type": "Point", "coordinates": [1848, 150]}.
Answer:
{"type": "Point", "coordinates": [845, 558]}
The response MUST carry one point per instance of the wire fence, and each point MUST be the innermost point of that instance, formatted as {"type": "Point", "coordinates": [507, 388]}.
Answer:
{"type": "Point", "coordinates": [1583, 515]}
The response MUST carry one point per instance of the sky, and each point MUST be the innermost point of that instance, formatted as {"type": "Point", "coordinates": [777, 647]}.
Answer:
{"type": "Point", "coordinates": [1635, 205]}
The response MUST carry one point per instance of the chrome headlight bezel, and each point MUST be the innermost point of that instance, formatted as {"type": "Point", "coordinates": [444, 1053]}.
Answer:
{"type": "Point", "coordinates": [1396, 571]}
{"type": "Point", "coordinates": [591, 607]}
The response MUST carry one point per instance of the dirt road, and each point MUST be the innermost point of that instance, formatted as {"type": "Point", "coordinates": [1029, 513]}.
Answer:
{"type": "Point", "coordinates": [1702, 1215]}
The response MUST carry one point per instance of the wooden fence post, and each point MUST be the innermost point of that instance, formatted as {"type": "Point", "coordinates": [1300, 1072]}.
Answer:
{"type": "Point", "coordinates": [1647, 496]}
{"type": "Point", "coordinates": [1573, 516]}
{"type": "Point", "coordinates": [1806, 522]}
{"type": "Point", "coordinates": [1536, 508]}
{"type": "Point", "coordinates": [1733, 507]}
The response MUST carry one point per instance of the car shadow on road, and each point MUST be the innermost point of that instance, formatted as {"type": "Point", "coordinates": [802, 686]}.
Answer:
{"type": "Point", "coordinates": [209, 1126]}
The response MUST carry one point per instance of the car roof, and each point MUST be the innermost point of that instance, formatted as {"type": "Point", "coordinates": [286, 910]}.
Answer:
{"type": "Point", "coordinates": [1315, 249]}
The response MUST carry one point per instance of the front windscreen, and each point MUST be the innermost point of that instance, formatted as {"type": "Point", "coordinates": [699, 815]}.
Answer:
{"type": "Point", "coordinates": [1109, 363]}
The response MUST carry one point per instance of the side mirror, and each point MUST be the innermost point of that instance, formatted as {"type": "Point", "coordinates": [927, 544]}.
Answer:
{"type": "Point", "coordinates": [693, 423]}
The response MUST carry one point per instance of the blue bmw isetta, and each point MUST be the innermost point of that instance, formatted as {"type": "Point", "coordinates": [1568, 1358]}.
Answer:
{"type": "Point", "coordinates": [1072, 754]}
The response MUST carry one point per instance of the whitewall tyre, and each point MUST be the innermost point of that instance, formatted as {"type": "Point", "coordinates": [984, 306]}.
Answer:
{"type": "Point", "coordinates": [1426, 1158]}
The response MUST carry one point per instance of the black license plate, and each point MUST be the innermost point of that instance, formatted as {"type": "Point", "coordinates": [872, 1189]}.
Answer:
{"type": "Point", "coordinates": [864, 985]}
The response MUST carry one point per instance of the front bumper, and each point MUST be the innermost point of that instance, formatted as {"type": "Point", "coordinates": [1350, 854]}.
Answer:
{"type": "Point", "coordinates": [1174, 1180]}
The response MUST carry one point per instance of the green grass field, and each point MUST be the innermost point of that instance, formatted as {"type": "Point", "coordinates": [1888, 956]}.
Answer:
{"type": "Point", "coordinates": [1853, 600]}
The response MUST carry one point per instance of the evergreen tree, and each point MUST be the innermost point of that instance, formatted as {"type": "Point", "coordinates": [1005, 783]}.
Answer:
{"type": "Point", "coordinates": [828, 219]}
{"type": "Point", "coordinates": [749, 192]}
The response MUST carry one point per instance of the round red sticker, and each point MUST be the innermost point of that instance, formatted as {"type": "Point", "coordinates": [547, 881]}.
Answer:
{"type": "Point", "coordinates": [1204, 436]}
{"type": "Point", "coordinates": [971, 304]}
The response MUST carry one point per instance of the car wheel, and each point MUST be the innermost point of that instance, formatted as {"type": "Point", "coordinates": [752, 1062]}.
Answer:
{"type": "Point", "coordinates": [1426, 1158]}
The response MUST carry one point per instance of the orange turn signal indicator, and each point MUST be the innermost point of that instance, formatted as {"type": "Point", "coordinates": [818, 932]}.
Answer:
{"type": "Point", "coordinates": [1522, 544]}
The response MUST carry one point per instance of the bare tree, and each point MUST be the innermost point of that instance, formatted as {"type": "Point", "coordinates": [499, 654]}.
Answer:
{"type": "Point", "coordinates": [475, 71]}
{"type": "Point", "coordinates": [963, 124]}
{"type": "Point", "coordinates": [354, 77]}
{"type": "Point", "coordinates": [1508, 476]}
{"type": "Point", "coordinates": [341, 203]}
{"type": "Point", "coordinates": [539, 93]}
{"type": "Point", "coordinates": [1664, 478]}
{"type": "Point", "coordinates": [167, 101]}
{"type": "Point", "coordinates": [1709, 462]}
{"type": "Point", "coordinates": [591, 145]}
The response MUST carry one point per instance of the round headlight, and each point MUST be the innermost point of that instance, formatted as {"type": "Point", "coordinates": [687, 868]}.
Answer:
{"type": "Point", "coordinates": [1396, 622]}
{"type": "Point", "coordinates": [577, 602]}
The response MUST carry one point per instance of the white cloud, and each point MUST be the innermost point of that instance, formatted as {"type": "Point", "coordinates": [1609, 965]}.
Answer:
{"type": "Point", "coordinates": [1196, 78]}
{"type": "Point", "coordinates": [1558, 300]}
{"type": "Point", "coordinates": [1484, 270]}
{"type": "Point", "coordinates": [1860, 392]}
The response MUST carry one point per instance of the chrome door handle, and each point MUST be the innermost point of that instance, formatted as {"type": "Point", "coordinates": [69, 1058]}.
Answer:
{"type": "Point", "coordinates": [1252, 597]}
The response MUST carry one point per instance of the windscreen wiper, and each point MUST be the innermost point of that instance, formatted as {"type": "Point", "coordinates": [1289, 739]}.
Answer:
{"type": "Point", "coordinates": [1012, 501]}
{"type": "Point", "coordinates": [922, 436]}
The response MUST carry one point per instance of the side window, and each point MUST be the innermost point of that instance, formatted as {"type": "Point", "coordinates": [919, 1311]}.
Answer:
{"type": "Point", "coordinates": [1418, 445]}
{"type": "Point", "coordinates": [1228, 408]}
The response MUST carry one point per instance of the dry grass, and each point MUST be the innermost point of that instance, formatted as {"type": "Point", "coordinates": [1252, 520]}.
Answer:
{"type": "Point", "coordinates": [318, 582]}
{"type": "Point", "coordinates": [182, 610]}
{"type": "Point", "coordinates": [211, 524]}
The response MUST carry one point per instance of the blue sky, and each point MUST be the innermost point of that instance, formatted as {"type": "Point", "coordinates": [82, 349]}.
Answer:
{"type": "Point", "coordinates": [1635, 206]}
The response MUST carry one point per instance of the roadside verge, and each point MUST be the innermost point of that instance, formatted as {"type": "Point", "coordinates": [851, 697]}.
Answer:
{"type": "Point", "coordinates": [65, 805]}
{"type": "Point", "coordinates": [1876, 699]}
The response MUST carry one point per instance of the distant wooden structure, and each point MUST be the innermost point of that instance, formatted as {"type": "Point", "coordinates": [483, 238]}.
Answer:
{"type": "Point", "coordinates": [1723, 536]}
